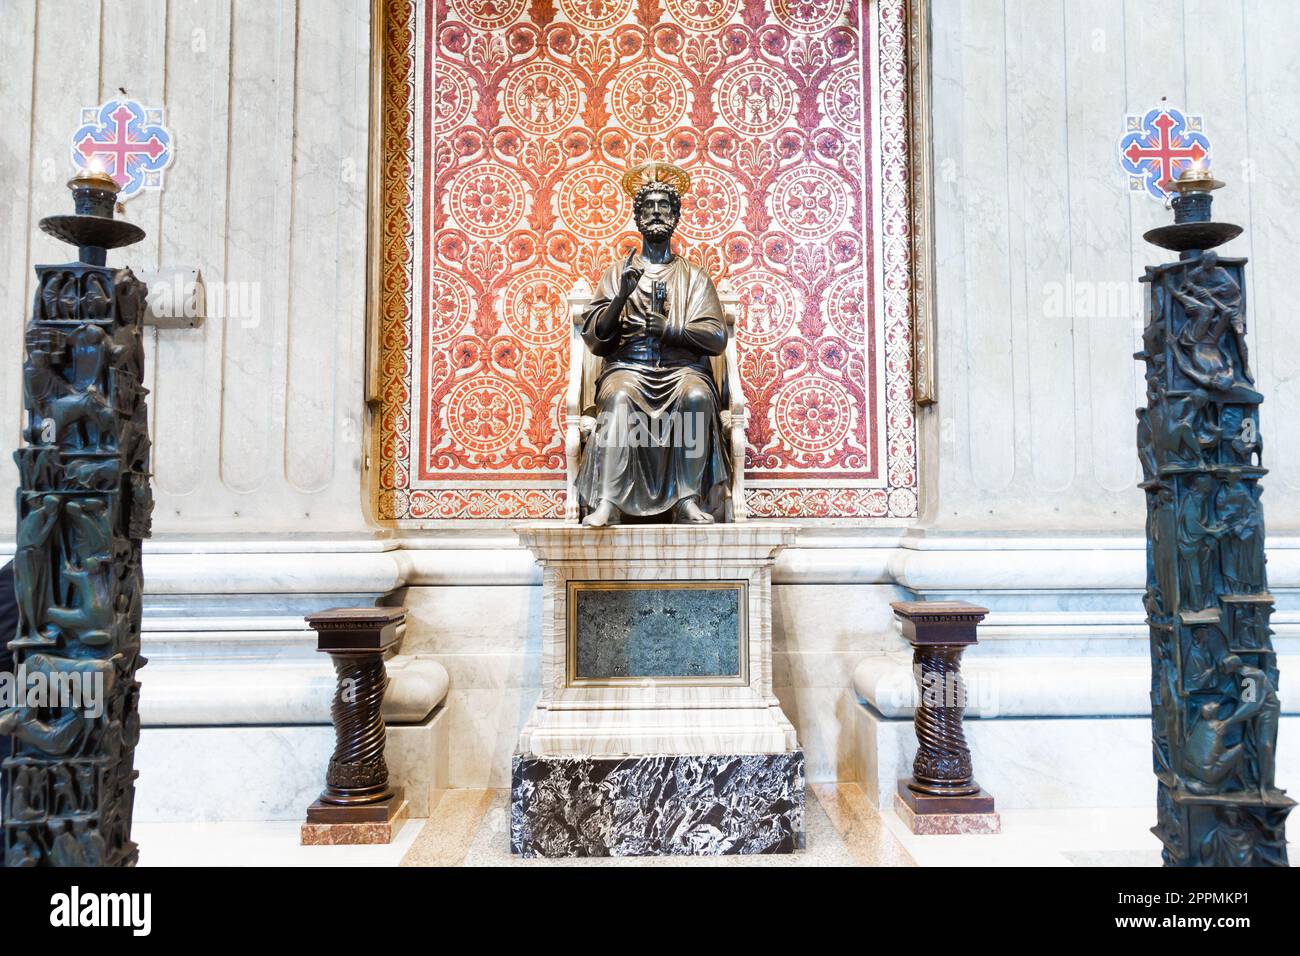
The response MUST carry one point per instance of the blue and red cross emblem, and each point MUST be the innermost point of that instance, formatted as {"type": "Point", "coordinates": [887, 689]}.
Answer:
{"type": "Point", "coordinates": [126, 140]}
{"type": "Point", "coordinates": [1159, 145]}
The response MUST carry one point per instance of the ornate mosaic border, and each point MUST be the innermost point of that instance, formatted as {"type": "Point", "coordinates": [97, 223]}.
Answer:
{"type": "Point", "coordinates": [395, 497]}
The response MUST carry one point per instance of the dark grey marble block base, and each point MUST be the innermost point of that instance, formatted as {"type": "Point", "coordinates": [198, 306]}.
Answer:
{"type": "Point", "coordinates": [683, 805]}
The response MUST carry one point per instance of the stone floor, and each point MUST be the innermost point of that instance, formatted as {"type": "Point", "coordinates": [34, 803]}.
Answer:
{"type": "Point", "coordinates": [469, 828]}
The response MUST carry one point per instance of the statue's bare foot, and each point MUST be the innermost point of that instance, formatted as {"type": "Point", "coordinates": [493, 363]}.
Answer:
{"type": "Point", "coordinates": [605, 514]}
{"type": "Point", "coordinates": [690, 512]}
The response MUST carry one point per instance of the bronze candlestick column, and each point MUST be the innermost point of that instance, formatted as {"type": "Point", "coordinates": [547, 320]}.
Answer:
{"type": "Point", "coordinates": [84, 504]}
{"type": "Point", "coordinates": [1215, 709]}
{"type": "Point", "coordinates": [942, 795]}
{"type": "Point", "coordinates": [357, 790]}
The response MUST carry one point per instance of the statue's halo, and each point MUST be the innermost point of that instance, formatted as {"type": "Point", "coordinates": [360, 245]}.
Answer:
{"type": "Point", "coordinates": [654, 171]}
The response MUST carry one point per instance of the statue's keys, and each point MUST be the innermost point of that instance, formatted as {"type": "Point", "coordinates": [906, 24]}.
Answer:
{"type": "Point", "coordinates": [659, 298]}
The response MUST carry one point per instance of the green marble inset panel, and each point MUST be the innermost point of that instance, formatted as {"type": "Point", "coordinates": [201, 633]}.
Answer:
{"type": "Point", "coordinates": [680, 630]}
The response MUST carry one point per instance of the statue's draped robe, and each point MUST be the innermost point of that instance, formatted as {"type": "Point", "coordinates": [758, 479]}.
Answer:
{"type": "Point", "coordinates": [676, 449]}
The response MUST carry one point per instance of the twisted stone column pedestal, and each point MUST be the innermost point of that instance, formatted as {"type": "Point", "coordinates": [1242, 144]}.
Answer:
{"type": "Point", "coordinates": [357, 805]}
{"type": "Point", "coordinates": [357, 774]}
{"type": "Point", "coordinates": [942, 795]}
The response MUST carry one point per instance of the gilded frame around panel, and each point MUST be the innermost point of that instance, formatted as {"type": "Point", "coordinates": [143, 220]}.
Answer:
{"type": "Point", "coordinates": [920, 198]}
{"type": "Point", "coordinates": [374, 199]}
{"type": "Point", "coordinates": [920, 142]}
{"type": "Point", "coordinates": [741, 587]}
{"type": "Point", "coordinates": [374, 262]}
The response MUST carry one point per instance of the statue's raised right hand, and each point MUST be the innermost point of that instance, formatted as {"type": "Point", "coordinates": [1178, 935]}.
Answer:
{"type": "Point", "coordinates": [628, 280]}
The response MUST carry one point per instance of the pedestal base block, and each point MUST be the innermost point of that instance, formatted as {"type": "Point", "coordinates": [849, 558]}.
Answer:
{"type": "Point", "coordinates": [925, 814]}
{"type": "Point", "coordinates": [681, 805]}
{"type": "Point", "coordinates": [332, 825]}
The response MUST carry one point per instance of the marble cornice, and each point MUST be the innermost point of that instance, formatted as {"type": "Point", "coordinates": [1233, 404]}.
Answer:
{"type": "Point", "coordinates": [918, 560]}
{"type": "Point", "coordinates": [743, 543]}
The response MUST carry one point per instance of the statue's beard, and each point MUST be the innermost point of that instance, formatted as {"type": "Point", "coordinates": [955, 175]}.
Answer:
{"type": "Point", "coordinates": [657, 230]}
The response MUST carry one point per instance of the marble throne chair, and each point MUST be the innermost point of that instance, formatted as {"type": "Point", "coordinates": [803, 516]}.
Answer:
{"type": "Point", "coordinates": [580, 400]}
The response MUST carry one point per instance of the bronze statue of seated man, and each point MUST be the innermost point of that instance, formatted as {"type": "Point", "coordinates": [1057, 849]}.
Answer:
{"type": "Point", "coordinates": [656, 320]}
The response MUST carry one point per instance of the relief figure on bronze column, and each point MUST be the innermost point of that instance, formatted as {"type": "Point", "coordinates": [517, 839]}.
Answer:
{"type": "Point", "coordinates": [1212, 300]}
{"type": "Point", "coordinates": [1166, 706]}
{"type": "Point", "coordinates": [1153, 333]}
{"type": "Point", "coordinates": [91, 618]}
{"type": "Point", "coordinates": [60, 295]}
{"type": "Point", "coordinates": [55, 408]}
{"type": "Point", "coordinates": [27, 795]}
{"type": "Point", "coordinates": [1197, 553]}
{"type": "Point", "coordinates": [23, 851]}
{"type": "Point", "coordinates": [1201, 670]}
{"type": "Point", "coordinates": [1167, 814]}
{"type": "Point", "coordinates": [93, 474]}
{"type": "Point", "coordinates": [1242, 547]}
{"type": "Point", "coordinates": [55, 736]}
{"type": "Point", "coordinates": [1210, 762]}
{"type": "Point", "coordinates": [86, 787]}
{"type": "Point", "coordinates": [34, 569]}
{"type": "Point", "coordinates": [64, 796]}
{"type": "Point", "coordinates": [96, 300]}
{"type": "Point", "coordinates": [1232, 840]}
{"type": "Point", "coordinates": [91, 843]}
{"type": "Point", "coordinates": [1256, 687]}
{"type": "Point", "coordinates": [89, 523]}
{"type": "Point", "coordinates": [38, 468]}
{"type": "Point", "coordinates": [1146, 446]}
{"type": "Point", "coordinates": [89, 347]}
{"type": "Point", "coordinates": [1156, 598]}
{"type": "Point", "coordinates": [1241, 427]}
{"type": "Point", "coordinates": [1181, 430]}
{"type": "Point", "coordinates": [66, 851]}
{"type": "Point", "coordinates": [1163, 556]}
{"type": "Point", "coordinates": [128, 350]}
{"type": "Point", "coordinates": [42, 385]}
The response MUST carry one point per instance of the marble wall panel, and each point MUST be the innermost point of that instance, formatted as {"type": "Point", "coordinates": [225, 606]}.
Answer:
{"type": "Point", "coordinates": [1034, 424]}
{"type": "Point", "coordinates": [257, 415]}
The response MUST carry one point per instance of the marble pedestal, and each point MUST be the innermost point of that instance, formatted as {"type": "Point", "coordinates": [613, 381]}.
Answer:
{"type": "Point", "coordinates": [657, 730]}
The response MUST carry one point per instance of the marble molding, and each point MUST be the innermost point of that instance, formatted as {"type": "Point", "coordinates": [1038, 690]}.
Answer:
{"type": "Point", "coordinates": [290, 690]}
{"type": "Point", "coordinates": [682, 805]}
{"type": "Point", "coordinates": [1046, 686]}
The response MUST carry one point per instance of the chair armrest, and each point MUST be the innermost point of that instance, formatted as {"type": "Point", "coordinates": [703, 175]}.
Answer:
{"type": "Point", "coordinates": [578, 299]}
{"type": "Point", "coordinates": [736, 403]}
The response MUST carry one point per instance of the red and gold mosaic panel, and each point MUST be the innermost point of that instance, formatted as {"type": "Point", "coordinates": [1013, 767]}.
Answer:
{"type": "Point", "coordinates": [507, 125]}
